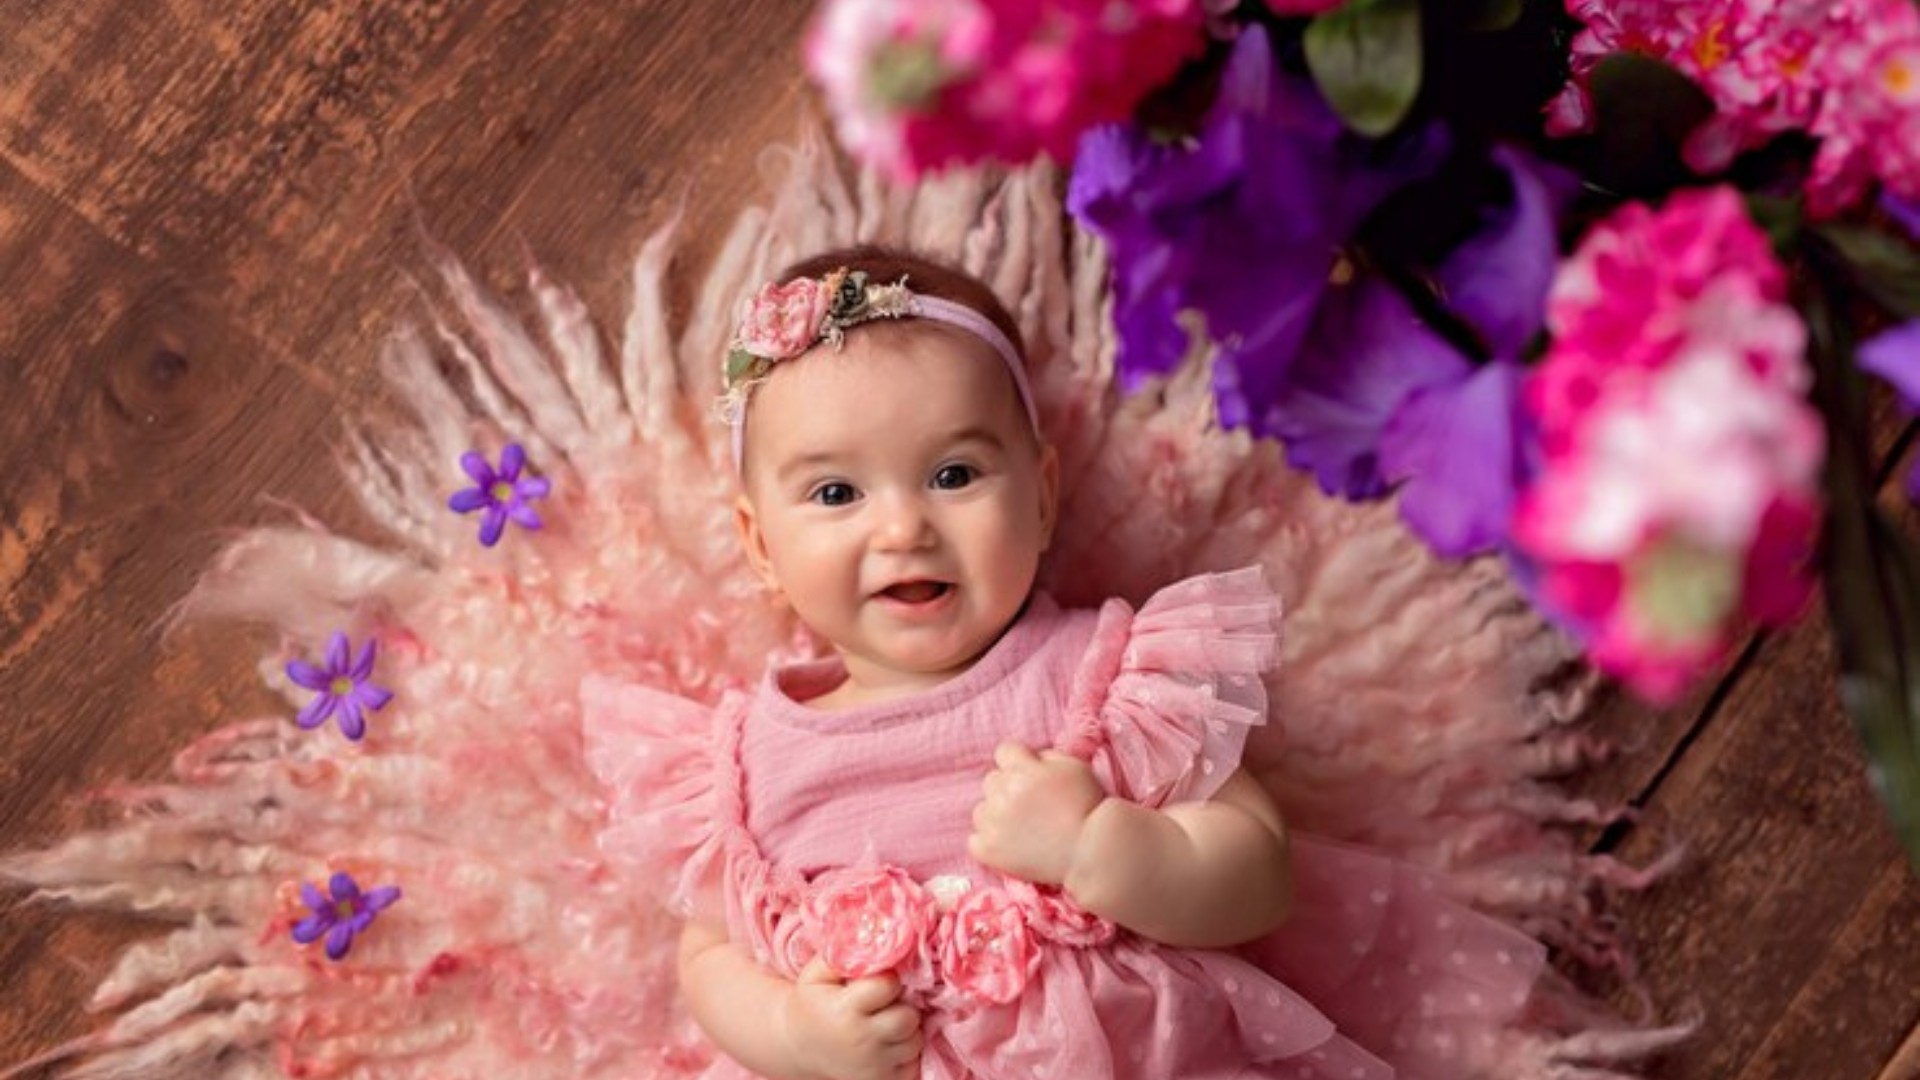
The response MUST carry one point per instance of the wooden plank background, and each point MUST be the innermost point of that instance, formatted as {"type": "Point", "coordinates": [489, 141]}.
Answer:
{"type": "Point", "coordinates": [207, 212]}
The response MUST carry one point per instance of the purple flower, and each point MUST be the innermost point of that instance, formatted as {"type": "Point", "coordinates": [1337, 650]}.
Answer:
{"type": "Point", "coordinates": [343, 688]}
{"type": "Point", "coordinates": [1338, 400]}
{"type": "Point", "coordinates": [1256, 225]}
{"type": "Point", "coordinates": [1498, 280]}
{"type": "Point", "coordinates": [1894, 355]}
{"type": "Point", "coordinates": [502, 494]}
{"type": "Point", "coordinates": [1904, 211]}
{"type": "Point", "coordinates": [346, 913]}
{"type": "Point", "coordinates": [1377, 398]}
{"type": "Point", "coordinates": [1459, 449]}
{"type": "Point", "coordinates": [1244, 224]}
{"type": "Point", "coordinates": [1459, 446]}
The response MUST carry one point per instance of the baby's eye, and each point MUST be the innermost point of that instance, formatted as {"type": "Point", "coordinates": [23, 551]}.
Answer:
{"type": "Point", "coordinates": [950, 477]}
{"type": "Point", "coordinates": [832, 493]}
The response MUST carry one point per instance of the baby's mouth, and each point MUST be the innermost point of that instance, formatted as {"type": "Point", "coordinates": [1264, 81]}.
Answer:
{"type": "Point", "coordinates": [916, 592]}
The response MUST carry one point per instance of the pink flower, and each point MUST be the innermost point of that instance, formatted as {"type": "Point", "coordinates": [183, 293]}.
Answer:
{"type": "Point", "coordinates": [1677, 497]}
{"type": "Point", "coordinates": [986, 949]}
{"type": "Point", "coordinates": [1053, 916]}
{"type": "Point", "coordinates": [1848, 74]}
{"type": "Point", "coordinates": [782, 321]}
{"type": "Point", "coordinates": [866, 922]}
{"type": "Point", "coordinates": [792, 941]}
{"type": "Point", "coordinates": [917, 86]}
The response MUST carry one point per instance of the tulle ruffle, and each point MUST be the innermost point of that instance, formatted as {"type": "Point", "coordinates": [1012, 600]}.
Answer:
{"type": "Point", "coordinates": [654, 754]}
{"type": "Point", "coordinates": [1163, 705]}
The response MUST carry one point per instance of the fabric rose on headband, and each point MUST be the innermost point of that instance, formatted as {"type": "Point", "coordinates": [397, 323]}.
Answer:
{"type": "Point", "coordinates": [783, 320]}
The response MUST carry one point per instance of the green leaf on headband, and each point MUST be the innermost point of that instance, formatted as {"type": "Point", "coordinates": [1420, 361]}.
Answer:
{"type": "Point", "coordinates": [1886, 267]}
{"type": "Point", "coordinates": [1365, 56]}
{"type": "Point", "coordinates": [740, 366]}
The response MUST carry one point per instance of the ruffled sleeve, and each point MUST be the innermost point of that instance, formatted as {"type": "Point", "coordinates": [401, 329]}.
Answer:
{"type": "Point", "coordinates": [658, 758]}
{"type": "Point", "coordinates": [1164, 699]}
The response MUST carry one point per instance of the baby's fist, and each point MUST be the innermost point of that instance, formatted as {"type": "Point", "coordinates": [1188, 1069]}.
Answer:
{"type": "Point", "coordinates": [1031, 811]}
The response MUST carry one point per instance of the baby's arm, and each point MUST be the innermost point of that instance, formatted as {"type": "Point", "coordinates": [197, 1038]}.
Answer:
{"type": "Point", "coordinates": [1200, 875]}
{"type": "Point", "coordinates": [815, 1029]}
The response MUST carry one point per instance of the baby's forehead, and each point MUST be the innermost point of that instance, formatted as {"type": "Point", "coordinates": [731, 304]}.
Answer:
{"type": "Point", "coordinates": [891, 380]}
{"type": "Point", "coordinates": [923, 363]}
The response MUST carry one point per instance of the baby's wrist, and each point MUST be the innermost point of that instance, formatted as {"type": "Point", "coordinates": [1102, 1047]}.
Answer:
{"type": "Point", "coordinates": [1083, 878]}
{"type": "Point", "coordinates": [790, 1045]}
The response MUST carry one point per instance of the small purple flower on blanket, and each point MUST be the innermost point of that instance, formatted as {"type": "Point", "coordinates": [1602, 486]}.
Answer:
{"type": "Point", "coordinates": [343, 914]}
{"type": "Point", "coordinates": [342, 687]}
{"type": "Point", "coordinates": [501, 493]}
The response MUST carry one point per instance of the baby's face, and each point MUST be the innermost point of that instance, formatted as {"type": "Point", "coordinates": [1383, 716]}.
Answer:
{"type": "Point", "coordinates": [896, 496]}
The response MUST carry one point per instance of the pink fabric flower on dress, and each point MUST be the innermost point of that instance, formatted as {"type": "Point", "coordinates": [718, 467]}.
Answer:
{"type": "Point", "coordinates": [986, 948]}
{"type": "Point", "coordinates": [782, 321]}
{"type": "Point", "coordinates": [918, 86]}
{"type": "Point", "coordinates": [1677, 494]}
{"type": "Point", "coordinates": [866, 922]}
{"type": "Point", "coordinates": [1053, 916]}
{"type": "Point", "coordinates": [791, 938]}
{"type": "Point", "coordinates": [1848, 74]}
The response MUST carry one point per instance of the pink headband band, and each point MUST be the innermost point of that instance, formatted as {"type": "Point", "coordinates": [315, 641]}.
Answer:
{"type": "Point", "coordinates": [781, 322]}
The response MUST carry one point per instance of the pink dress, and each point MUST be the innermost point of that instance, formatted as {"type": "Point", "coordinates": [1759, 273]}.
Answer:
{"type": "Point", "coordinates": [842, 834]}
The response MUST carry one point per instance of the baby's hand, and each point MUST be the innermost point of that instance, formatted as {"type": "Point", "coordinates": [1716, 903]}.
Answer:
{"type": "Point", "coordinates": [1031, 812]}
{"type": "Point", "coordinates": [857, 1030]}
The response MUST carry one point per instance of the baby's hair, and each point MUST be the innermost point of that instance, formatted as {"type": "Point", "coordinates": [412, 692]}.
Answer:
{"type": "Point", "coordinates": [925, 276]}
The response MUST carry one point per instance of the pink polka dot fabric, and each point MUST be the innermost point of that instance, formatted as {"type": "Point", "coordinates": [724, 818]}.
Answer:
{"type": "Point", "coordinates": [1377, 975]}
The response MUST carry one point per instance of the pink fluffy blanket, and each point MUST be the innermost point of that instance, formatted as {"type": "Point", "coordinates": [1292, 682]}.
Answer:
{"type": "Point", "coordinates": [1420, 706]}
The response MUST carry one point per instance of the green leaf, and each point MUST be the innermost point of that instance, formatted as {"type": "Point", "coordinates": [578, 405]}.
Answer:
{"type": "Point", "coordinates": [1365, 55]}
{"type": "Point", "coordinates": [1872, 575]}
{"type": "Point", "coordinates": [1486, 16]}
{"type": "Point", "coordinates": [740, 366]}
{"type": "Point", "coordinates": [1643, 112]}
{"type": "Point", "coordinates": [1780, 217]}
{"type": "Point", "coordinates": [1886, 267]}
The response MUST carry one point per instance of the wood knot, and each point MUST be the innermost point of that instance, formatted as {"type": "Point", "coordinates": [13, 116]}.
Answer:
{"type": "Point", "coordinates": [155, 379]}
{"type": "Point", "coordinates": [165, 367]}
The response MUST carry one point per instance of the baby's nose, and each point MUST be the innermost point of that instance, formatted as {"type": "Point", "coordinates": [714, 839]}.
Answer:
{"type": "Point", "coordinates": [903, 524]}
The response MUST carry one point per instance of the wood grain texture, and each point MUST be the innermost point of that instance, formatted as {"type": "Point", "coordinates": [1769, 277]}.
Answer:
{"type": "Point", "coordinates": [208, 215]}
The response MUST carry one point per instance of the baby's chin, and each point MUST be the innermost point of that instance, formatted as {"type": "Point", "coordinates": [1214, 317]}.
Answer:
{"type": "Point", "coordinates": [910, 670]}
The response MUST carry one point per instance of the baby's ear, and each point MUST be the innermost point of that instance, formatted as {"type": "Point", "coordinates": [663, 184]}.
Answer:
{"type": "Point", "coordinates": [1049, 493]}
{"type": "Point", "coordinates": [746, 521]}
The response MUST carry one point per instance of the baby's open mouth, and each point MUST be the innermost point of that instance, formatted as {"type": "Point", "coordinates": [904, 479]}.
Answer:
{"type": "Point", "coordinates": [917, 592]}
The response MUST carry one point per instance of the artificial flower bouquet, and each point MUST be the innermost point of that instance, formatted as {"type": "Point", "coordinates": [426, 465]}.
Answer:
{"type": "Point", "coordinates": [1592, 286]}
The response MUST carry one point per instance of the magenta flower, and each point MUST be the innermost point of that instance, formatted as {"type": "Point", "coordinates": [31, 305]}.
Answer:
{"type": "Point", "coordinates": [343, 687]}
{"type": "Point", "coordinates": [1843, 73]}
{"type": "Point", "coordinates": [1678, 492]}
{"type": "Point", "coordinates": [501, 494]}
{"type": "Point", "coordinates": [916, 87]}
{"type": "Point", "coordinates": [343, 915]}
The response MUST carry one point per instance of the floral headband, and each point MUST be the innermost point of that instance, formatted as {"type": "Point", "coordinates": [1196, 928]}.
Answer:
{"type": "Point", "coordinates": [781, 322]}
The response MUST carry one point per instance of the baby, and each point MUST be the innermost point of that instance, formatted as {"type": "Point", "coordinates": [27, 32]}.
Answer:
{"type": "Point", "coordinates": [985, 837]}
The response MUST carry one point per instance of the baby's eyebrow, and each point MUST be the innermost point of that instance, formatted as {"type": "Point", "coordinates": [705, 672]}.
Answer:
{"type": "Point", "coordinates": [978, 433]}
{"type": "Point", "coordinates": [804, 463]}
